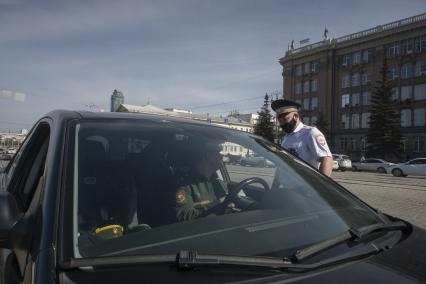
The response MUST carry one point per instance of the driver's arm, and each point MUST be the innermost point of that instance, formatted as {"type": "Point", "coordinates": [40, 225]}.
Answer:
{"type": "Point", "coordinates": [187, 209]}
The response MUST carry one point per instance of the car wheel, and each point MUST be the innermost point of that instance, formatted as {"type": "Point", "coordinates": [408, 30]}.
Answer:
{"type": "Point", "coordinates": [342, 169]}
{"type": "Point", "coordinates": [397, 172]}
{"type": "Point", "coordinates": [243, 163]}
{"type": "Point", "coordinates": [381, 170]}
{"type": "Point", "coordinates": [355, 168]}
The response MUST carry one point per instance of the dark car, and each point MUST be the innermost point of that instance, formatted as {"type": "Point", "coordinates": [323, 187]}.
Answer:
{"type": "Point", "coordinates": [122, 198]}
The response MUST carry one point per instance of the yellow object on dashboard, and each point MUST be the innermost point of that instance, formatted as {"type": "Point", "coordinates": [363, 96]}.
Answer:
{"type": "Point", "coordinates": [109, 232]}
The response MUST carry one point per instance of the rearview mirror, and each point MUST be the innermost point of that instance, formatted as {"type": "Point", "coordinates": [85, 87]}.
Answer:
{"type": "Point", "coordinates": [9, 215]}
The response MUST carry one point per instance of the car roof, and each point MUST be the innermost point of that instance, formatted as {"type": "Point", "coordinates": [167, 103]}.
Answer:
{"type": "Point", "coordinates": [64, 115]}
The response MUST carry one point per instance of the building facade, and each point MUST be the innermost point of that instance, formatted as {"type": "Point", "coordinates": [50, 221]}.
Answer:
{"type": "Point", "coordinates": [335, 78]}
{"type": "Point", "coordinates": [117, 98]}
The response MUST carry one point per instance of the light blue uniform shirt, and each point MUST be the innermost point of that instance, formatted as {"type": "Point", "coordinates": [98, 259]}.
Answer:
{"type": "Point", "coordinates": [308, 143]}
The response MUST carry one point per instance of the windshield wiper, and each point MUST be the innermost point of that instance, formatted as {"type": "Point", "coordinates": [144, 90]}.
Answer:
{"type": "Point", "coordinates": [186, 260]}
{"type": "Point", "coordinates": [352, 234]}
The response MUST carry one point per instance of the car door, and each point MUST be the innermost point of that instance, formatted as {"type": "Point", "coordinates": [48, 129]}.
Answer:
{"type": "Point", "coordinates": [24, 180]}
{"type": "Point", "coordinates": [417, 167]}
{"type": "Point", "coordinates": [367, 164]}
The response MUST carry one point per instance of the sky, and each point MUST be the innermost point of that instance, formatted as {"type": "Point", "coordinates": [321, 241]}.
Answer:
{"type": "Point", "coordinates": [210, 56]}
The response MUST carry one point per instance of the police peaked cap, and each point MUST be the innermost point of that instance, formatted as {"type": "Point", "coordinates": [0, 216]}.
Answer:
{"type": "Point", "coordinates": [285, 106]}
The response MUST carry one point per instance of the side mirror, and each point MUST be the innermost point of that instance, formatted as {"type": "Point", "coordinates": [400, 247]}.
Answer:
{"type": "Point", "coordinates": [9, 216]}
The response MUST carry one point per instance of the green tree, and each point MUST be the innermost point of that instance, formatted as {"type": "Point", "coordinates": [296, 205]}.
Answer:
{"type": "Point", "coordinates": [322, 123]}
{"type": "Point", "coordinates": [384, 136]}
{"type": "Point", "coordinates": [264, 126]}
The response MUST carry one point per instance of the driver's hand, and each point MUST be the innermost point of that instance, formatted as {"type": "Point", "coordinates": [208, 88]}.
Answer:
{"type": "Point", "coordinates": [230, 205]}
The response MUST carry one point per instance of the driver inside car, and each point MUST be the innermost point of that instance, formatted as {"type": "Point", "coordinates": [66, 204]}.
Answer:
{"type": "Point", "coordinates": [202, 193]}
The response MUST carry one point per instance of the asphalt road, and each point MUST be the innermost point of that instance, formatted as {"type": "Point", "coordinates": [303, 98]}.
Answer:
{"type": "Point", "coordinates": [402, 197]}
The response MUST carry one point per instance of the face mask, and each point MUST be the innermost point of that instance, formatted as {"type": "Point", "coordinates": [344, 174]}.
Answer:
{"type": "Point", "coordinates": [288, 127]}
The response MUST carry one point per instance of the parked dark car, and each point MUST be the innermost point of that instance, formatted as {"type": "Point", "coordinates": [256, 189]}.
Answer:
{"type": "Point", "coordinates": [92, 198]}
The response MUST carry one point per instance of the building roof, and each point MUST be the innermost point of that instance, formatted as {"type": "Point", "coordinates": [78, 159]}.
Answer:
{"type": "Point", "coordinates": [358, 36]}
{"type": "Point", "coordinates": [151, 109]}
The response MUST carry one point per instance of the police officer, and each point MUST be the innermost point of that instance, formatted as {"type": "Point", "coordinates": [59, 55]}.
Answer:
{"type": "Point", "coordinates": [306, 142]}
{"type": "Point", "coordinates": [202, 193]}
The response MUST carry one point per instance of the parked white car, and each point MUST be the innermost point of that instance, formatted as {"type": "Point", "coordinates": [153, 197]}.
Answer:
{"type": "Point", "coordinates": [335, 165]}
{"type": "Point", "coordinates": [343, 162]}
{"type": "Point", "coordinates": [413, 167]}
{"type": "Point", "coordinates": [377, 165]}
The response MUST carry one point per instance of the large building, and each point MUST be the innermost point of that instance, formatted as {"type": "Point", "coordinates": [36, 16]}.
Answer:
{"type": "Point", "coordinates": [117, 98]}
{"type": "Point", "coordinates": [336, 78]}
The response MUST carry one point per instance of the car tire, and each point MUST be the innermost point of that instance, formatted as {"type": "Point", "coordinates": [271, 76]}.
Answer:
{"type": "Point", "coordinates": [243, 163]}
{"type": "Point", "coordinates": [397, 172]}
{"type": "Point", "coordinates": [342, 169]}
{"type": "Point", "coordinates": [355, 169]}
{"type": "Point", "coordinates": [381, 170]}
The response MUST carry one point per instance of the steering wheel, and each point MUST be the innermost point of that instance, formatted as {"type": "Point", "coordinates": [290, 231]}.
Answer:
{"type": "Point", "coordinates": [233, 192]}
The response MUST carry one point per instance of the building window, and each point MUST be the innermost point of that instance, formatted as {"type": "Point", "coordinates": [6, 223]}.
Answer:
{"type": "Point", "coordinates": [315, 67]}
{"type": "Point", "coordinates": [314, 85]}
{"type": "Point", "coordinates": [420, 92]}
{"type": "Point", "coordinates": [298, 88]}
{"type": "Point", "coordinates": [355, 121]}
{"type": "Point", "coordinates": [393, 49]}
{"type": "Point", "coordinates": [363, 144]}
{"type": "Point", "coordinates": [346, 81]}
{"type": "Point", "coordinates": [367, 56]}
{"type": "Point", "coordinates": [346, 60]}
{"type": "Point", "coordinates": [343, 143]}
{"type": "Point", "coordinates": [355, 99]}
{"type": "Point", "coordinates": [366, 98]}
{"type": "Point", "coordinates": [365, 120]}
{"type": "Point", "coordinates": [345, 100]}
{"type": "Point", "coordinates": [299, 101]}
{"type": "Point", "coordinates": [395, 94]}
{"type": "Point", "coordinates": [404, 144]}
{"type": "Point", "coordinates": [314, 103]}
{"type": "Point", "coordinates": [366, 77]}
{"type": "Point", "coordinates": [306, 104]}
{"type": "Point", "coordinates": [356, 79]}
{"type": "Point", "coordinates": [345, 121]}
{"type": "Point", "coordinates": [352, 144]}
{"type": "Point", "coordinates": [419, 144]}
{"type": "Point", "coordinates": [356, 58]}
{"type": "Point", "coordinates": [307, 68]}
{"type": "Point", "coordinates": [406, 93]}
{"type": "Point", "coordinates": [407, 71]}
{"type": "Point", "coordinates": [314, 120]}
{"type": "Point", "coordinates": [406, 117]}
{"type": "Point", "coordinates": [419, 117]}
{"type": "Point", "coordinates": [306, 87]}
{"type": "Point", "coordinates": [420, 44]}
{"type": "Point", "coordinates": [393, 72]}
{"type": "Point", "coordinates": [407, 46]}
{"type": "Point", "coordinates": [298, 70]}
{"type": "Point", "coordinates": [420, 68]}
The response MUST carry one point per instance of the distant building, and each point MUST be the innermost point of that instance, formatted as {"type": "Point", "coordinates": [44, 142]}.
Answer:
{"type": "Point", "coordinates": [117, 98]}
{"type": "Point", "coordinates": [179, 110]}
{"type": "Point", "coordinates": [227, 121]}
{"type": "Point", "coordinates": [337, 78]}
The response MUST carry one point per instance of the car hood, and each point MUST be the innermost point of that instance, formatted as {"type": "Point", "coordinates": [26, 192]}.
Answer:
{"type": "Point", "coordinates": [404, 263]}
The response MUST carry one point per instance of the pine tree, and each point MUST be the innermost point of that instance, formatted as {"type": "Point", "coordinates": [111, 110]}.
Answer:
{"type": "Point", "coordinates": [322, 123]}
{"type": "Point", "coordinates": [384, 137]}
{"type": "Point", "coordinates": [264, 126]}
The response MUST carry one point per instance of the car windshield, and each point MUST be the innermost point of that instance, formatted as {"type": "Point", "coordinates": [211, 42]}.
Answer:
{"type": "Point", "coordinates": [159, 186]}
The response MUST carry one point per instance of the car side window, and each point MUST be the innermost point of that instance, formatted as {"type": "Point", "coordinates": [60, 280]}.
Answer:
{"type": "Point", "coordinates": [30, 166]}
